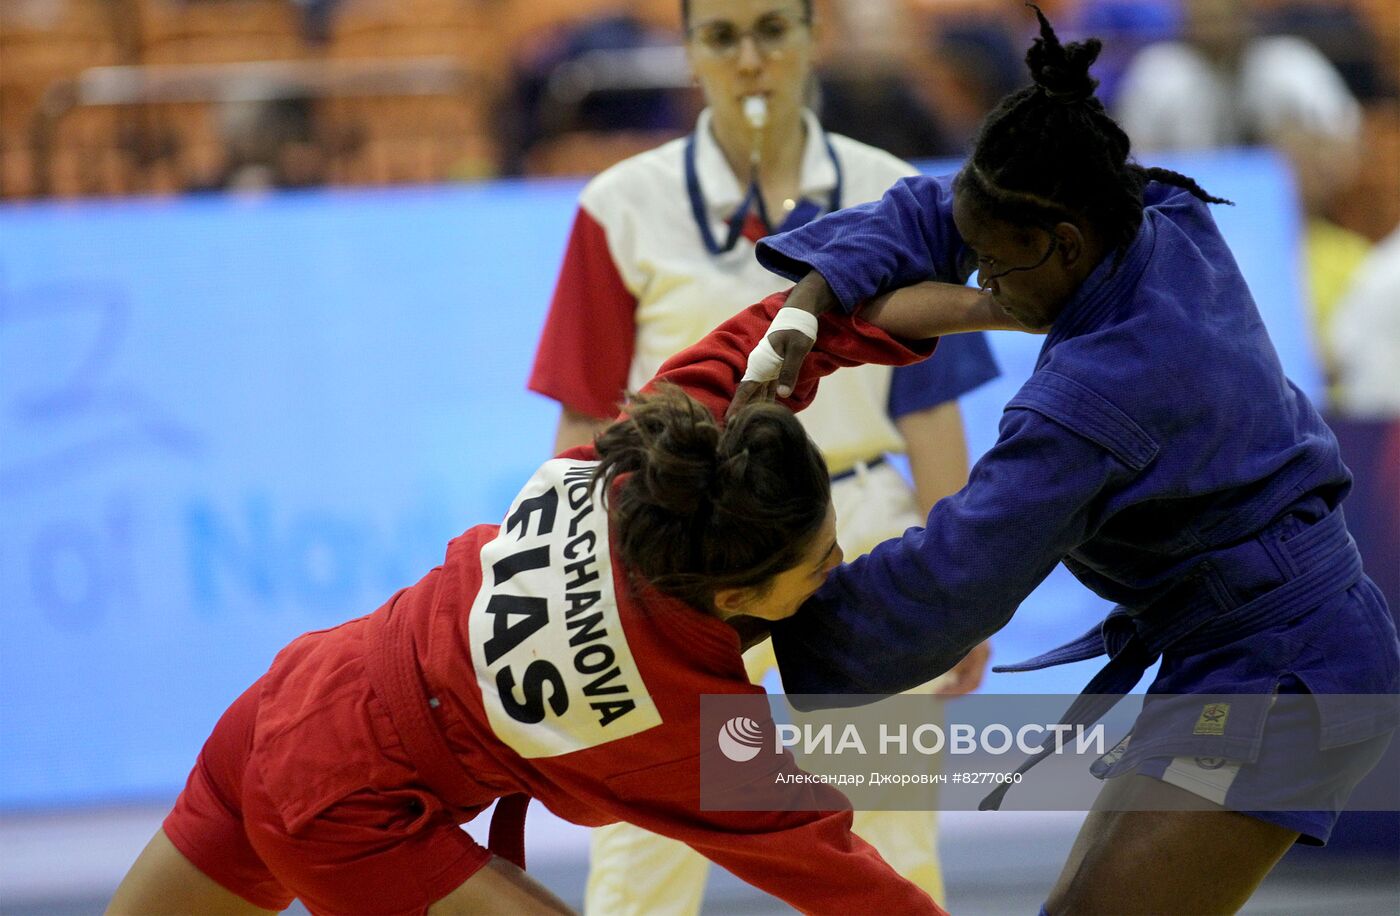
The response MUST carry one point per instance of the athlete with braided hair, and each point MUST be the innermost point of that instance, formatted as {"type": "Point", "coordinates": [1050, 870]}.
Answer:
{"type": "Point", "coordinates": [1158, 451]}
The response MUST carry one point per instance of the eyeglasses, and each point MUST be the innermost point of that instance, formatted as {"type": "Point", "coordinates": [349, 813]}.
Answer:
{"type": "Point", "coordinates": [772, 35]}
{"type": "Point", "coordinates": [986, 266]}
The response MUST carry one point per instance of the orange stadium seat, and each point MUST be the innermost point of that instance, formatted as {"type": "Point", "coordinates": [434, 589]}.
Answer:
{"type": "Point", "coordinates": [218, 31]}
{"type": "Point", "coordinates": [1371, 206]}
{"type": "Point", "coordinates": [185, 140]}
{"type": "Point", "coordinates": [90, 156]}
{"type": "Point", "coordinates": [414, 138]}
{"type": "Point", "coordinates": [41, 45]}
{"type": "Point", "coordinates": [586, 153]}
{"type": "Point", "coordinates": [413, 28]}
{"type": "Point", "coordinates": [17, 178]}
{"type": "Point", "coordinates": [406, 139]}
{"type": "Point", "coordinates": [517, 21]}
{"type": "Point", "coordinates": [189, 149]}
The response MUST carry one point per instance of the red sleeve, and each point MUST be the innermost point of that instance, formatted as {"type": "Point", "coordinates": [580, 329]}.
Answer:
{"type": "Point", "coordinates": [793, 841]}
{"type": "Point", "coordinates": [809, 859]}
{"type": "Point", "coordinates": [586, 347]}
{"type": "Point", "coordinates": [710, 370]}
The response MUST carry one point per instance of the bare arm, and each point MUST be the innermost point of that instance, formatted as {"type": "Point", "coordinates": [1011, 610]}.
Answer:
{"type": "Point", "coordinates": [937, 449]}
{"type": "Point", "coordinates": [919, 312]}
{"type": "Point", "coordinates": [710, 370]}
{"type": "Point", "coordinates": [812, 294]}
{"type": "Point", "coordinates": [576, 429]}
{"type": "Point", "coordinates": [932, 309]}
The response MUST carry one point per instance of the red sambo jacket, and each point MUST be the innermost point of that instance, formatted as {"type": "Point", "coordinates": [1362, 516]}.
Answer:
{"type": "Point", "coordinates": [531, 662]}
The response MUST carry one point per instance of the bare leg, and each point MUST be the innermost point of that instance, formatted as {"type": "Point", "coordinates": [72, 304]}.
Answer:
{"type": "Point", "coordinates": [500, 887]}
{"type": "Point", "coordinates": [162, 881]}
{"type": "Point", "coordinates": [1188, 856]}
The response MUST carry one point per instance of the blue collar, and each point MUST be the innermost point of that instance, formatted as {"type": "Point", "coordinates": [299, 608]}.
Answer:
{"type": "Point", "coordinates": [806, 210]}
{"type": "Point", "coordinates": [1103, 289]}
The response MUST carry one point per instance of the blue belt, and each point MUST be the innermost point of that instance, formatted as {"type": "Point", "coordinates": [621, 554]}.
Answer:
{"type": "Point", "coordinates": [857, 467]}
{"type": "Point", "coordinates": [1325, 560]}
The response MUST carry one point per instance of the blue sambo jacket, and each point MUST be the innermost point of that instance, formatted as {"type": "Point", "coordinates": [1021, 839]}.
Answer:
{"type": "Point", "coordinates": [1157, 450]}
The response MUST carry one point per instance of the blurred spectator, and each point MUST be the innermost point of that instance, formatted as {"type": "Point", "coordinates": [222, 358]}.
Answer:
{"type": "Point", "coordinates": [1366, 336]}
{"type": "Point", "coordinates": [1332, 255]}
{"type": "Point", "coordinates": [1224, 85]}
{"type": "Point", "coordinates": [271, 144]}
{"type": "Point", "coordinates": [980, 59]}
{"type": "Point", "coordinates": [866, 91]}
{"type": "Point", "coordinates": [539, 107]}
{"type": "Point", "coordinates": [1125, 27]}
{"type": "Point", "coordinates": [317, 17]}
{"type": "Point", "coordinates": [1342, 35]}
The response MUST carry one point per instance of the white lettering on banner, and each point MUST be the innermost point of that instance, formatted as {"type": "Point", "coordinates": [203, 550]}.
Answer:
{"type": "Point", "coordinates": [850, 740]}
{"type": "Point", "coordinates": [1093, 741]}
{"type": "Point", "coordinates": [901, 738]}
{"type": "Point", "coordinates": [927, 748]}
{"type": "Point", "coordinates": [929, 739]}
{"type": "Point", "coordinates": [1003, 745]}
{"type": "Point", "coordinates": [820, 739]}
{"type": "Point", "coordinates": [819, 779]}
{"type": "Point", "coordinates": [907, 779]}
{"type": "Point", "coordinates": [552, 661]}
{"type": "Point", "coordinates": [1021, 742]}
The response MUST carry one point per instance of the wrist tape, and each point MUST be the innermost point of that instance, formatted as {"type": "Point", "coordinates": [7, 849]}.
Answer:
{"type": "Point", "coordinates": [764, 361]}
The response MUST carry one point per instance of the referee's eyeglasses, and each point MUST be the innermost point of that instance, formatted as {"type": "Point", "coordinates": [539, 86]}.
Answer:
{"type": "Point", "coordinates": [772, 34]}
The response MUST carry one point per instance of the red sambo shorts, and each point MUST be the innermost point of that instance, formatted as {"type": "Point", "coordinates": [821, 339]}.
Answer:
{"type": "Point", "coordinates": [333, 834]}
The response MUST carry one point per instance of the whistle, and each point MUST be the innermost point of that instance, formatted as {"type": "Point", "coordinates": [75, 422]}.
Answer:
{"type": "Point", "coordinates": [756, 111]}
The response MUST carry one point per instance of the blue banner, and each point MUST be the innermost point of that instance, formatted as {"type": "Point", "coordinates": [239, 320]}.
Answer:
{"type": "Point", "coordinates": [225, 421]}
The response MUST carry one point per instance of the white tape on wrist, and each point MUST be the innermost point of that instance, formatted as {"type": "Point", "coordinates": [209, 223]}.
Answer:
{"type": "Point", "coordinates": [764, 361]}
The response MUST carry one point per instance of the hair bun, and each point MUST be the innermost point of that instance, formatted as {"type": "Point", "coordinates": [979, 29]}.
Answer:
{"type": "Point", "coordinates": [679, 473]}
{"type": "Point", "coordinates": [733, 470]}
{"type": "Point", "coordinates": [1062, 71]}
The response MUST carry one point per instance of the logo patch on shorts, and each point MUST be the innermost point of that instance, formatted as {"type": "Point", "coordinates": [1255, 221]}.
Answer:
{"type": "Point", "coordinates": [1212, 720]}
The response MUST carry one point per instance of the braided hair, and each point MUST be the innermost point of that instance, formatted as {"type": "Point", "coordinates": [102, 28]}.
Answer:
{"type": "Point", "coordinates": [697, 507]}
{"type": "Point", "coordinates": [1050, 152]}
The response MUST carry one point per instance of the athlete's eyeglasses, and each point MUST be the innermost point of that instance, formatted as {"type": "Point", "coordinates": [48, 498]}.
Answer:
{"type": "Point", "coordinates": [772, 35]}
{"type": "Point", "coordinates": [986, 267]}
